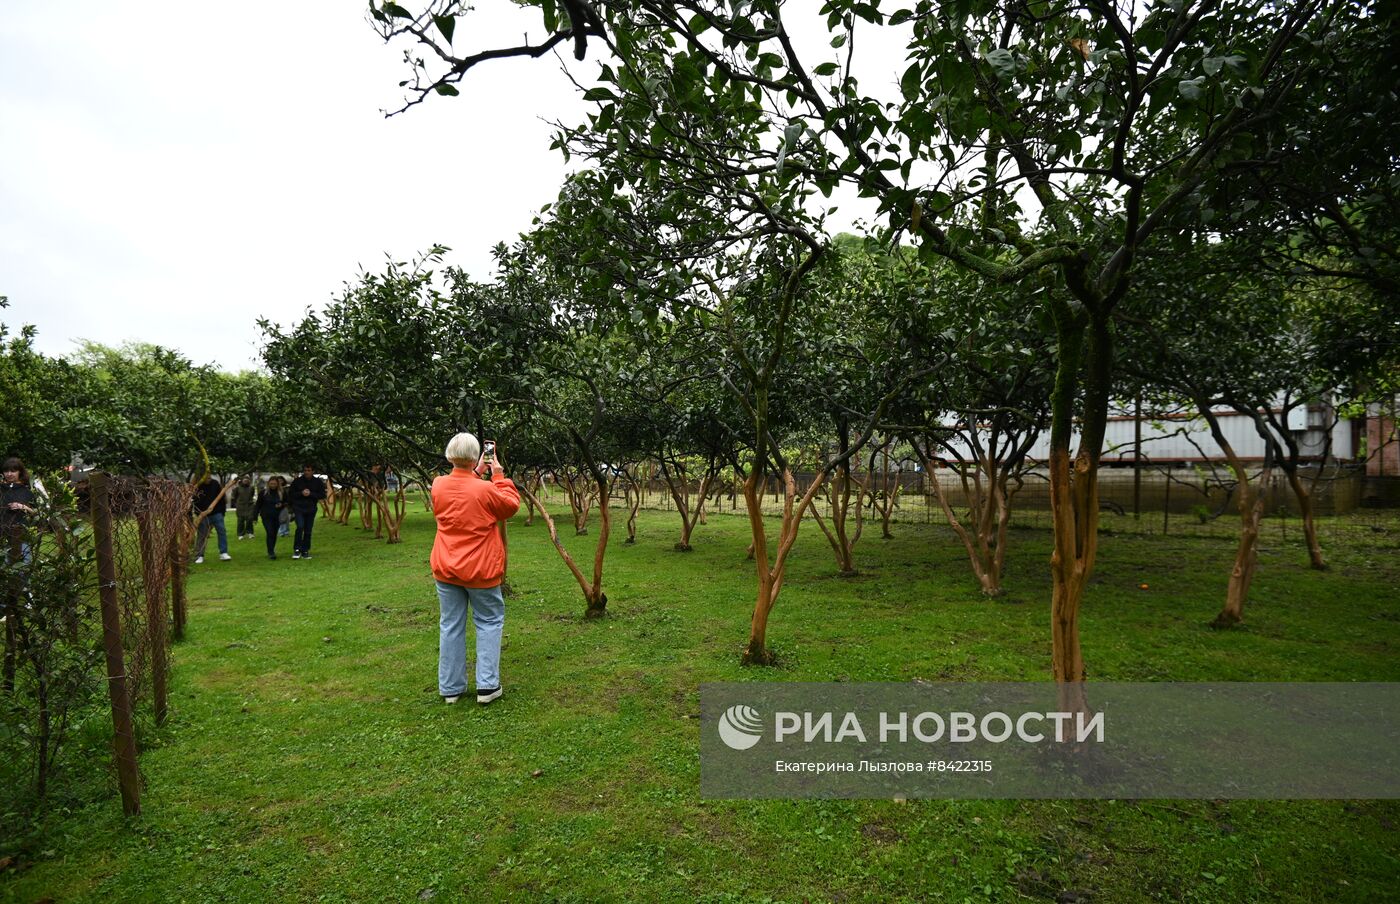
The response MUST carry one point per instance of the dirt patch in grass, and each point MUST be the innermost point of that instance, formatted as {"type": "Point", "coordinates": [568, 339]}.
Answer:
{"type": "Point", "coordinates": [876, 833]}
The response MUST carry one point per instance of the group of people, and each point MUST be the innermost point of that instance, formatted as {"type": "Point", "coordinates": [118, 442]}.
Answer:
{"type": "Point", "coordinates": [471, 505]}
{"type": "Point", "coordinates": [280, 506]}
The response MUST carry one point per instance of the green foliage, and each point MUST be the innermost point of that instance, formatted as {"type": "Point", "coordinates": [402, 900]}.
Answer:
{"type": "Point", "coordinates": [49, 603]}
{"type": "Point", "coordinates": [388, 353]}
{"type": "Point", "coordinates": [40, 395]}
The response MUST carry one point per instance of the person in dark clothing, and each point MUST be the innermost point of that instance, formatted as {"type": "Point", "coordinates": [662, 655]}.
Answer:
{"type": "Point", "coordinates": [245, 496]}
{"type": "Point", "coordinates": [305, 493]}
{"type": "Point", "coordinates": [204, 497]}
{"type": "Point", "coordinates": [17, 501]}
{"type": "Point", "coordinates": [271, 501]}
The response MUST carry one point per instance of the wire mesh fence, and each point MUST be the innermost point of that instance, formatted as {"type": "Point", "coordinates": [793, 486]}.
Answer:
{"type": "Point", "coordinates": [1183, 502]}
{"type": "Point", "coordinates": [91, 589]}
{"type": "Point", "coordinates": [151, 528]}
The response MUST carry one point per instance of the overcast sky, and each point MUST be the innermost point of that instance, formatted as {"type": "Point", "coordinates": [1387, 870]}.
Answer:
{"type": "Point", "coordinates": [172, 178]}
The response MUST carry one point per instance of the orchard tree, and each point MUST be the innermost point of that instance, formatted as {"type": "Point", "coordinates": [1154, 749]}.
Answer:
{"type": "Point", "coordinates": [389, 351]}
{"type": "Point", "coordinates": [1029, 142]}
{"type": "Point", "coordinates": [694, 428]}
{"type": "Point", "coordinates": [980, 415]}
{"type": "Point", "coordinates": [41, 401]}
{"type": "Point", "coordinates": [143, 409]}
{"type": "Point", "coordinates": [1211, 337]}
{"type": "Point", "coordinates": [552, 342]}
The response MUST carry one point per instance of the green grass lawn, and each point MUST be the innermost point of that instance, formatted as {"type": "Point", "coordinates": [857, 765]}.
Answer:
{"type": "Point", "coordinates": [309, 758]}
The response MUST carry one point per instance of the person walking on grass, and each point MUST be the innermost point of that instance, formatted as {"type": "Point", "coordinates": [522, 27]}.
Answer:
{"type": "Point", "coordinates": [245, 504]}
{"type": "Point", "coordinates": [469, 562]}
{"type": "Point", "coordinates": [210, 497]}
{"type": "Point", "coordinates": [271, 503]}
{"type": "Point", "coordinates": [304, 495]}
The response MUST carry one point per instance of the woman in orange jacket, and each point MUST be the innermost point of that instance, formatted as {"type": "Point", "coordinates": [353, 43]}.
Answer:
{"type": "Point", "coordinates": [469, 562]}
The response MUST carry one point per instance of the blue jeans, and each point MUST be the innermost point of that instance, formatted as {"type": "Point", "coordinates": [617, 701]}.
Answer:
{"type": "Point", "coordinates": [301, 543]}
{"type": "Point", "coordinates": [216, 521]}
{"type": "Point", "coordinates": [488, 609]}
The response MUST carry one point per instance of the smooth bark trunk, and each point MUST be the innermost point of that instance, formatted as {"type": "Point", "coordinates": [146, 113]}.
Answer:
{"type": "Point", "coordinates": [770, 576]}
{"type": "Point", "coordinates": [842, 541]}
{"type": "Point", "coordinates": [1305, 508]}
{"type": "Point", "coordinates": [595, 599]}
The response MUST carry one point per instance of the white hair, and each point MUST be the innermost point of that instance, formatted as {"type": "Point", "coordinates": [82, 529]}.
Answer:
{"type": "Point", "coordinates": [463, 449]}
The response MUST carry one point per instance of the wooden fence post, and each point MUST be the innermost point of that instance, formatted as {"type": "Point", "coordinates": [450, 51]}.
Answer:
{"type": "Point", "coordinates": [123, 735]}
{"type": "Point", "coordinates": [179, 558]}
{"type": "Point", "coordinates": [153, 582]}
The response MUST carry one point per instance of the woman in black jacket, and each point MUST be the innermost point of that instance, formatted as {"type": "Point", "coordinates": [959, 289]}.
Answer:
{"type": "Point", "coordinates": [270, 503]}
{"type": "Point", "coordinates": [16, 506]}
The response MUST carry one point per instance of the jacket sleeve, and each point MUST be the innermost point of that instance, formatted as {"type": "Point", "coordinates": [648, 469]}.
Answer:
{"type": "Point", "coordinates": [319, 492]}
{"type": "Point", "coordinates": [504, 498]}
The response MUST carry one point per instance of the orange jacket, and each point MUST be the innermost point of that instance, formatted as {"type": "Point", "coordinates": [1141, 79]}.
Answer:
{"type": "Point", "coordinates": [468, 550]}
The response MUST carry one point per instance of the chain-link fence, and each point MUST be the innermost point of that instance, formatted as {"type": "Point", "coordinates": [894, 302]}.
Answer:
{"type": "Point", "coordinates": [151, 528]}
{"type": "Point", "coordinates": [1182, 502]}
{"type": "Point", "coordinates": [91, 586]}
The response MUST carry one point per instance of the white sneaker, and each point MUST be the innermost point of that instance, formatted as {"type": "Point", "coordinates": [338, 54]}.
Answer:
{"type": "Point", "coordinates": [486, 697]}
{"type": "Point", "coordinates": [453, 699]}
{"type": "Point", "coordinates": [199, 560]}
{"type": "Point", "coordinates": [296, 555]}
{"type": "Point", "coordinates": [224, 557]}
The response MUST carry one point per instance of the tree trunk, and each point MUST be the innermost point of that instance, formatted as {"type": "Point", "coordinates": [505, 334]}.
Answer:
{"type": "Point", "coordinates": [1084, 340]}
{"type": "Point", "coordinates": [594, 599]}
{"type": "Point", "coordinates": [843, 544]}
{"type": "Point", "coordinates": [387, 520]}
{"type": "Point", "coordinates": [983, 553]}
{"type": "Point", "coordinates": [597, 599]}
{"type": "Point", "coordinates": [679, 485]}
{"type": "Point", "coordinates": [1246, 559]}
{"type": "Point", "coordinates": [633, 496]}
{"type": "Point", "coordinates": [344, 503]}
{"type": "Point", "coordinates": [889, 494]}
{"type": "Point", "coordinates": [1251, 507]}
{"type": "Point", "coordinates": [756, 652]}
{"type": "Point", "coordinates": [770, 578]}
{"type": "Point", "coordinates": [1305, 506]}
{"type": "Point", "coordinates": [580, 501]}
{"type": "Point", "coordinates": [1074, 512]}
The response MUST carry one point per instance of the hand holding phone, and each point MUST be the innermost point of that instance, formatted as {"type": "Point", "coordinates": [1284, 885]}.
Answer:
{"type": "Point", "coordinates": [488, 457]}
